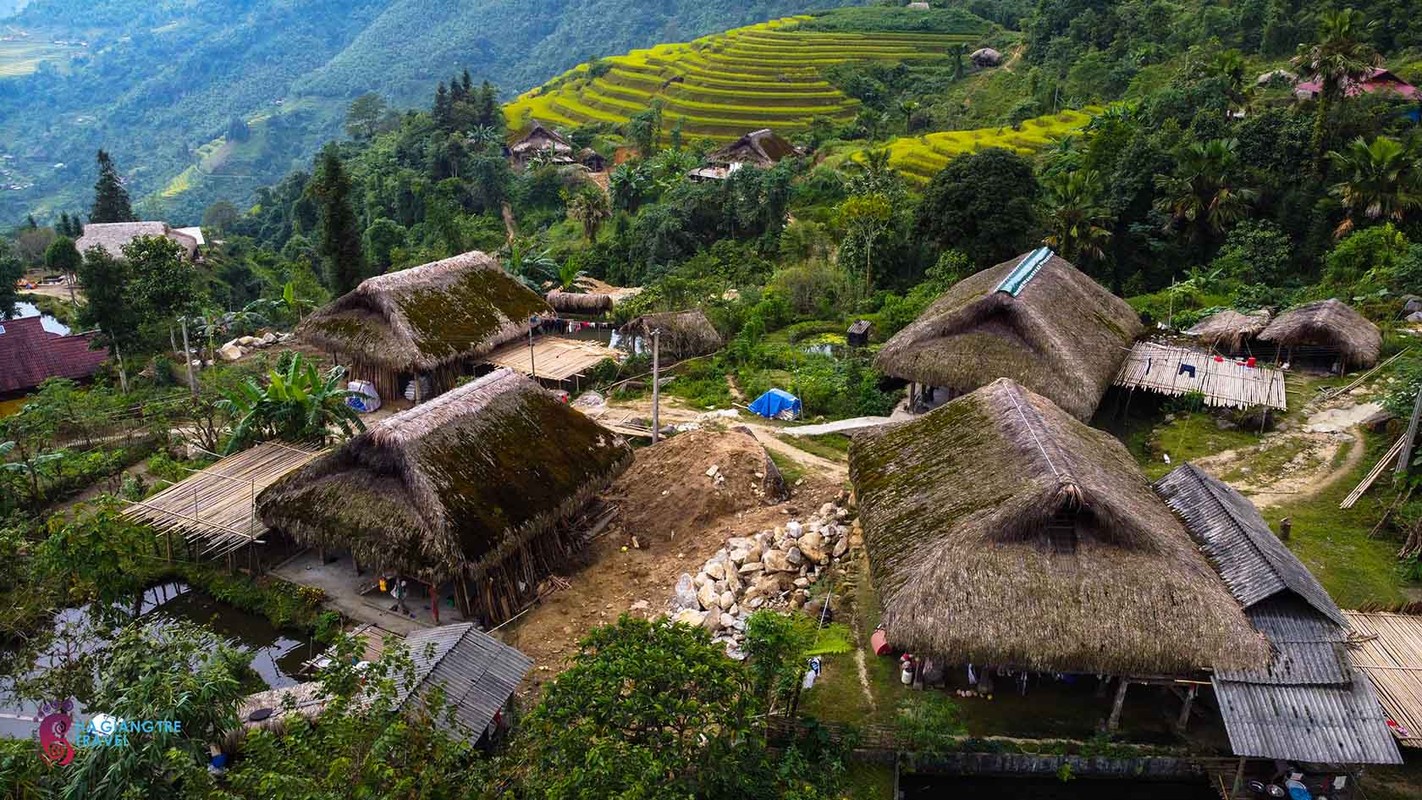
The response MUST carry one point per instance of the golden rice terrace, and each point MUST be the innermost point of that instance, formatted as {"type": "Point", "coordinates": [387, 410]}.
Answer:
{"type": "Point", "coordinates": [762, 76]}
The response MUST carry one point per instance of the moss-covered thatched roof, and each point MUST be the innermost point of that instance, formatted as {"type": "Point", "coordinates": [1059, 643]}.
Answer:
{"type": "Point", "coordinates": [956, 507]}
{"type": "Point", "coordinates": [1327, 323]}
{"type": "Point", "coordinates": [427, 316]}
{"type": "Point", "coordinates": [685, 334]}
{"type": "Point", "coordinates": [1061, 335]}
{"type": "Point", "coordinates": [1229, 329]}
{"type": "Point", "coordinates": [456, 483]}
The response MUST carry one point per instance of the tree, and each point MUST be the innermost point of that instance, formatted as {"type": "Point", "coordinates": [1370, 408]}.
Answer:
{"type": "Point", "coordinates": [645, 129]}
{"type": "Point", "coordinates": [175, 671]}
{"type": "Point", "coordinates": [220, 217]}
{"type": "Point", "coordinates": [1203, 197]}
{"type": "Point", "coordinates": [1255, 252]}
{"type": "Point", "coordinates": [956, 52]}
{"type": "Point", "coordinates": [364, 115]}
{"type": "Point", "coordinates": [1076, 219]}
{"type": "Point", "coordinates": [656, 709]}
{"type": "Point", "coordinates": [111, 202]}
{"type": "Point", "coordinates": [383, 239]}
{"type": "Point", "coordinates": [983, 204]}
{"type": "Point", "coordinates": [297, 405]}
{"type": "Point", "coordinates": [629, 186]}
{"type": "Point", "coordinates": [63, 258]}
{"type": "Point", "coordinates": [106, 304]}
{"type": "Point", "coordinates": [159, 283]}
{"type": "Point", "coordinates": [340, 234]}
{"type": "Point", "coordinates": [11, 271]}
{"type": "Point", "coordinates": [1381, 181]}
{"type": "Point", "coordinates": [361, 745]}
{"type": "Point", "coordinates": [1338, 60]}
{"type": "Point", "coordinates": [865, 217]}
{"type": "Point", "coordinates": [589, 207]}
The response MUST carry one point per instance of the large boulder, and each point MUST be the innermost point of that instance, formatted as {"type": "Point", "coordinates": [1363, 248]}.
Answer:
{"type": "Point", "coordinates": [685, 593]}
{"type": "Point", "coordinates": [777, 561]}
{"type": "Point", "coordinates": [707, 596]}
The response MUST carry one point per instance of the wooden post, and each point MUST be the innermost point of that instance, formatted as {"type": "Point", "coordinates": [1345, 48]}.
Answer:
{"type": "Point", "coordinates": [1286, 527]}
{"type": "Point", "coordinates": [1184, 718]}
{"type": "Point", "coordinates": [1114, 721]}
{"type": "Point", "coordinates": [434, 602]}
{"type": "Point", "coordinates": [188, 360]}
{"type": "Point", "coordinates": [1238, 778]}
{"type": "Point", "coordinates": [656, 386]}
{"type": "Point", "coordinates": [1404, 459]}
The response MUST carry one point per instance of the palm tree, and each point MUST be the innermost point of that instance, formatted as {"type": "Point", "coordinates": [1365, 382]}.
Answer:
{"type": "Point", "coordinates": [297, 405]}
{"type": "Point", "coordinates": [1378, 181]}
{"type": "Point", "coordinates": [907, 107]}
{"type": "Point", "coordinates": [1339, 59]}
{"type": "Point", "coordinates": [590, 208]}
{"type": "Point", "coordinates": [1076, 221]}
{"type": "Point", "coordinates": [1230, 65]}
{"type": "Point", "coordinates": [483, 137]}
{"type": "Point", "coordinates": [569, 275]}
{"type": "Point", "coordinates": [1204, 198]}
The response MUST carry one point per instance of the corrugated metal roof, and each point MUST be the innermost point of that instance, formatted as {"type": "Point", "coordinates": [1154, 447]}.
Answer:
{"type": "Point", "coordinates": [1251, 559]}
{"type": "Point", "coordinates": [476, 672]}
{"type": "Point", "coordinates": [1340, 724]}
{"type": "Point", "coordinates": [1025, 271]}
{"type": "Point", "coordinates": [1309, 704]}
{"type": "Point", "coordinates": [1308, 647]}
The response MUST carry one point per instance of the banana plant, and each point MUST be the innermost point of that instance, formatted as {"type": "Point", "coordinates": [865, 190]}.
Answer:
{"type": "Point", "coordinates": [297, 404]}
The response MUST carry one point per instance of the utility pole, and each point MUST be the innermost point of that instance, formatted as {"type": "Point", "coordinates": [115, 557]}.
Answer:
{"type": "Point", "coordinates": [123, 376]}
{"type": "Point", "coordinates": [188, 359]}
{"type": "Point", "coordinates": [1404, 459]}
{"type": "Point", "coordinates": [656, 387]}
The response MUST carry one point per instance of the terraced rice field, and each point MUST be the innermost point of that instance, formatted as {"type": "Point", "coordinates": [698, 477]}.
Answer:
{"type": "Point", "coordinates": [922, 157]}
{"type": "Point", "coordinates": [22, 58]}
{"type": "Point", "coordinates": [723, 86]}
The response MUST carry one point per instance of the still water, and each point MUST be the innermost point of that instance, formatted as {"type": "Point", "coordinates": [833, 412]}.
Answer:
{"type": "Point", "coordinates": [26, 310]}
{"type": "Point", "coordinates": [276, 654]}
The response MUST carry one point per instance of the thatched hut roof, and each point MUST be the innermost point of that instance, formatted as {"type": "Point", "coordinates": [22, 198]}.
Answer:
{"type": "Point", "coordinates": [1327, 323]}
{"type": "Point", "coordinates": [1229, 329]}
{"type": "Point", "coordinates": [956, 507]}
{"type": "Point", "coordinates": [685, 334]}
{"type": "Point", "coordinates": [763, 148]}
{"type": "Point", "coordinates": [427, 316]}
{"type": "Point", "coordinates": [576, 303]}
{"type": "Point", "coordinates": [112, 237]}
{"type": "Point", "coordinates": [1052, 329]}
{"type": "Point", "coordinates": [540, 138]}
{"type": "Point", "coordinates": [456, 483]}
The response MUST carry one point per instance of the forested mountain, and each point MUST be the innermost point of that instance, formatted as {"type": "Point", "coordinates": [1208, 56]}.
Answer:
{"type": "Point", "coordinates": [201, 101]}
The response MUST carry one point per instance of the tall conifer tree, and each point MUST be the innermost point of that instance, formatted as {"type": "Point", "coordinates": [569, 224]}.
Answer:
{"type": "Point", "coordinates": [111, 202]}
{"type": "Point", "coordinates": [340, 234]}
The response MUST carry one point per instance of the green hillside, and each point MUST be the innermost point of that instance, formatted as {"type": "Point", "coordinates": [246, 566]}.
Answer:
{"type": "Point", "coordinates": [159, 83]}
{"type": "Point", "coordinates": [766, 75]}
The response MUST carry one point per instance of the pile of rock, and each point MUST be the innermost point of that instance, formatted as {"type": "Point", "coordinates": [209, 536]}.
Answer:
{"type": "Point", "coordinates": [243, 345]}
{"type": "Point", "coordinates": [771, 569]}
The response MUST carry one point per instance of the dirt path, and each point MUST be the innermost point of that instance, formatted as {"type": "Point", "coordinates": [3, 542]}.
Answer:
{"type": "Point", "coordinates": [770, 439]}
{"type": "Point", "coordinates": [1298, 463]}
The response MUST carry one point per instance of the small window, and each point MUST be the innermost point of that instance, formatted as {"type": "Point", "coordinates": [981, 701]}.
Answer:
{"type": "Point", "coordinates": [1061, 533]}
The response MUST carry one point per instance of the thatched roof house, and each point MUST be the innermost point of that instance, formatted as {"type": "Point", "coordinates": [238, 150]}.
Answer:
{"type": "Point", "coordinates": [763, 148]}
{"type": "Point", "coordinates": [113, 236]}
{"type": "Point", "coordinates": [1308, 703]}
{"type": "Point", "coordinates": [684, 334]}
{"type": "Point", "coordinates": [542, 140]}
{"type": "Point", "coordinates": [1000, 530]}
{"type": "Point", "coordinates": [470, 486]}
{"type": "Point", "coordinates": [1326, 328]}
{"type": "Point", "coordinates": [579, 303]}
{"type": "Point", "coordinates": [430, 320]}
{"type": "Point", "coordinates": [1229, 330]}
{"type": "Point", "coordinates": [1035, 319]}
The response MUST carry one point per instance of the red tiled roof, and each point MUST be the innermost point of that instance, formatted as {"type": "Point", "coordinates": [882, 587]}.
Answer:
{"type": "Point", "coordinates": [29, 354]}
{"type": "Point", "coordinates": [1381, 79]}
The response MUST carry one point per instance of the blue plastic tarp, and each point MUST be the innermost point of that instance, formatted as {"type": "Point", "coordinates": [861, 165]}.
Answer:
{"type": "Point", "coordinates": [777, 403]}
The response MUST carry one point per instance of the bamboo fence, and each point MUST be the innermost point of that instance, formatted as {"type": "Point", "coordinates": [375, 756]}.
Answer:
{"type": "Point", "coordinates": [1388, 649]}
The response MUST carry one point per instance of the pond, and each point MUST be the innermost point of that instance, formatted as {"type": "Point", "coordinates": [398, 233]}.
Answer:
{"type": "Point", "coordinates": [276, 655]}
{"type": "Point", "coordinates": [27, 310]}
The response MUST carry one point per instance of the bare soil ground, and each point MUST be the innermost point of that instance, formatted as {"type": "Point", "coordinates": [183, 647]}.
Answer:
{"type": "Point", "coordinates": [1296, 463]}
{"type": "Point", "coordinates": [680, 516]}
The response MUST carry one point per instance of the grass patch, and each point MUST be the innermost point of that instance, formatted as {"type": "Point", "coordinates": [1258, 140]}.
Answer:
{"type": "Point", "coordinates": [1186, 437]}
{"type": "Point", "coordinates": [830, 446]}
{"type": "Point", "coordinates": [1334, 543]}
{"type": "Point", "coordinates": [790, 469]}
{"type": "Point", "coordinates": [865, 781]}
